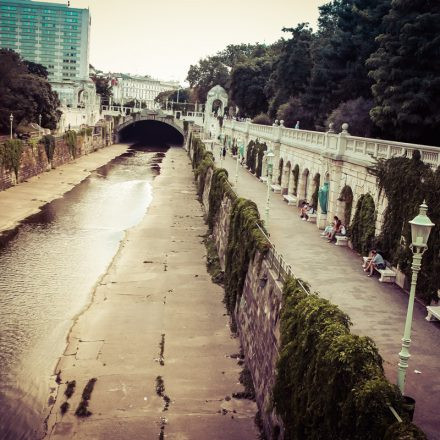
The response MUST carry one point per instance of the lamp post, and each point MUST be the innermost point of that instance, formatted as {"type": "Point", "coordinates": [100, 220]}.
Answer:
{"type": "Point", "coordinates": [221, 150]}
{"type": "Point", "coordinates": [11, 118]}
{"type": "Point", "coordinates": [421, 227]}
{"type": "Point", "coordinates": [269, 165]}
{"type": "Point", "coordinates": [239, 145]}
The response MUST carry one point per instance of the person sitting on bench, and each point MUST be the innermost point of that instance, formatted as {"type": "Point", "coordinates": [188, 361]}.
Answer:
{"type": "Point", "coordinates": [304, 210]}
{"type": "Point", "coordinates": [337, 224]}
{"type": "Point", "coordinates": [376, 261]}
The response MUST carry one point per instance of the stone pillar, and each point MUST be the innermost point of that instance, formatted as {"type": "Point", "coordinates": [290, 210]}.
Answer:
{"type": "Point", "coordinates": [276, 149]}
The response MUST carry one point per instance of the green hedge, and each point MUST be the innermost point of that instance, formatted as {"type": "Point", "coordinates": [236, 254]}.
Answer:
{"type": "Point", "coordinates": [330, 384]}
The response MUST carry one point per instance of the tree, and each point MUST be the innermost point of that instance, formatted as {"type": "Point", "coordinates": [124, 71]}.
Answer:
{"type": "Point", "coordinates": [36, 69]}
{"type": "Point", "coordinates": [293, 111]}
{"type": "Point", "coordinates": [24, 94]}
{"type": "Point", "coordinates": [292, 69]}
{"type": "Point", "coordinates": [206, 74]}
{"type": "Point", "coordinates": [248, 81]}
{"type": "Point", "coordinates": [356, 113]}
{"type": "Point", "coordinates": [406, 72]}
{"type": "Point", "coordinates": [103, 87]}
{"type": "Point", "coordinates": [345, 40]}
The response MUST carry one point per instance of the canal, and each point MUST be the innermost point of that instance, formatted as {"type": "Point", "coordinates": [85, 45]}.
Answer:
{"type": "Point", "coordinates": [47, 274]}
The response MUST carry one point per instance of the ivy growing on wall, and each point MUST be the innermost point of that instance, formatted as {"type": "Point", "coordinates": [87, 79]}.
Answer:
{"type": "Point", "coordinates": [295, 173]}
{"type": "Point", "coordinates": [363, 226]}
{"type": "Point", "coordinates": [244, 240]}
{"type": "Point", "coordinates": [330, 384]}
{"type": "Point", "coordinates": [71, 141]}
{"type": "Point", "coordinates": [219, 187]}
{"type": "Point", "coordinates": [314, 199]}
{"type": "Point", "coordinates": [10, 155]}
{"type": "Point", "coordinates": [406, 183]}
{"type": "Point", "coordinates": [49, 146]}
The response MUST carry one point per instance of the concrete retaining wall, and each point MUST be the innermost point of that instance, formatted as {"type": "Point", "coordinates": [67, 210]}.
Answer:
{"type": "Point", "coordinates": [34, 159]}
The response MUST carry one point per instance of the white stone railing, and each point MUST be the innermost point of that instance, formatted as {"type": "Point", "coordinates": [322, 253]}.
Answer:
{"type": "Point", "coordinates": [342, 144]}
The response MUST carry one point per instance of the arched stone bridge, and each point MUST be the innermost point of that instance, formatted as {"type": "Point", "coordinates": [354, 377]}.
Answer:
{"type": "Point", "coordinates": [147, 116]}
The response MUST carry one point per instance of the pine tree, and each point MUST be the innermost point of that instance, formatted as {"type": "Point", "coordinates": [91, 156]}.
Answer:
{"type": "Point", "coordinates": [406, 72]}
{"type": "Point", "coordinates": [345, 40]}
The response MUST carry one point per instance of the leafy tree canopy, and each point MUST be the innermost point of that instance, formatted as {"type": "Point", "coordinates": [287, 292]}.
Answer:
{"type": "Point", "coordinates": [25, 92]}
{"type": "Point", "coordinates": [406, 72]}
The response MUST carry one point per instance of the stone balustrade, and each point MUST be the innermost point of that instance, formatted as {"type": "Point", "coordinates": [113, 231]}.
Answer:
{"type": "Point", "coordinates": [344, 145]}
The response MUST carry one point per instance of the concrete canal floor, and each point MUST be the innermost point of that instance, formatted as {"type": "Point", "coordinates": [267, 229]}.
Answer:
{"type": "Point", "coordinates": [155, 335]}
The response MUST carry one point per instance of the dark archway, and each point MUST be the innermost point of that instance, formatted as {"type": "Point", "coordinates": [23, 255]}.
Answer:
{"type": "Point", "coordinates": [151, 132]}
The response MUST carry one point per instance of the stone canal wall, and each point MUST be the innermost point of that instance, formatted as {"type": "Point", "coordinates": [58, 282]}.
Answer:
{"type": "Point", "coordinates": [34, 160]}
{"type": "Point", "coordinates": [256, 314]}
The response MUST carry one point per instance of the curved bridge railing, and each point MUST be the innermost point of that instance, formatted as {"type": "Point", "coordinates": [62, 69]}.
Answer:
{"type": "Point", "coordinates": [166, 119]}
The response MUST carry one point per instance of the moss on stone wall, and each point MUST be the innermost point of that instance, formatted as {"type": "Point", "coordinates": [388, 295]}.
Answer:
{"type": "Point", "coordinates": [330, 384]}
{"type": "Point", "coordinates": [71, 141]}
{"type": "Point", "coordinates": [10, 155]}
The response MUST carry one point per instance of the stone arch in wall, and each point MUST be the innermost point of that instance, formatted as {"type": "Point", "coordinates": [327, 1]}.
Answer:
{"type": "Point", "coordinates": [218, 96]}
{"type": "Point", "coordinates": [345, 205]}
{"type": "Point", "coordinates": [286, 178]}
{"type": "Point", "coordinates": [303, 186]}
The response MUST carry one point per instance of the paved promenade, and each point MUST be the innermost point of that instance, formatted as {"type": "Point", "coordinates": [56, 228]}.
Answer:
{"type": "Point", "coordinates": [25, 199]}
{"type": "Point", "coordinates": [156, 334]}
{"type": "Point", "coordinates": [376, 310]}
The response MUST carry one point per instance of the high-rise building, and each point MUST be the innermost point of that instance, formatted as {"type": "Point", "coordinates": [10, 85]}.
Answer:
{"type": "Point", "coordinates": [54, 35]}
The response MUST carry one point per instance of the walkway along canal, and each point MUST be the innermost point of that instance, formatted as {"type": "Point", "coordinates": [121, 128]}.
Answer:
{"type": "Point", "coordinates": [47, 273]}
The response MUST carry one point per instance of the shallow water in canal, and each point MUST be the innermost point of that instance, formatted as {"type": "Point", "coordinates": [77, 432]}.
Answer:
{"type": "Point", "coordinates": [47, 274]}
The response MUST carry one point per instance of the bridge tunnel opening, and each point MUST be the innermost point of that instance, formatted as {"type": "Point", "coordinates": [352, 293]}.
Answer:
{"type": "Point", "coordinates": [151, 133]}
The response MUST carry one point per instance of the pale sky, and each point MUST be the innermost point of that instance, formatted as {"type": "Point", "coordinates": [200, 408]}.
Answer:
{"type": "Point", "coordinates": [162, 38]}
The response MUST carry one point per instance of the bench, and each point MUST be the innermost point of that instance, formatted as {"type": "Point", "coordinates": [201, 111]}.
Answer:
{"type": "Point", "coordinates": [433, 313]}
{"type": "Point", "coordinates": [312, 218]}
{"type": "Point", "coordinates": [386, 275]}
{"type": "Point", "coordinates": [341, 240]}
{"type": "Point", "coordinates": [263, 179]}
{"type": "Point", "coordinates": [276, 188]}
{"type": "Point", "coordinates": [291, 200]}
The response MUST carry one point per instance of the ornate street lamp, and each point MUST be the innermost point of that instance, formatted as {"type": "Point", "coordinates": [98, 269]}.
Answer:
{"type": "Point", "coordinates": [239, 146]}
{"type": "Point", "coordinates": [221, 149]}
{"type": "Point", "coordinates": [269, 165]}
{"type": "Point", "coordinates": [11, 118]}
{"type": "Point", "coordinates": [421, 227]}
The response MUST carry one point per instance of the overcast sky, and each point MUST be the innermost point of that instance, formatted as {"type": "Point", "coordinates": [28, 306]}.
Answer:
{"type": "Point", "coordinates": [162, 38]}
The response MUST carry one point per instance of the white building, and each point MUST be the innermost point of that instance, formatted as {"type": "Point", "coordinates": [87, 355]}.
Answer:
{"type": "Point", "coordinates": [142, 89]}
